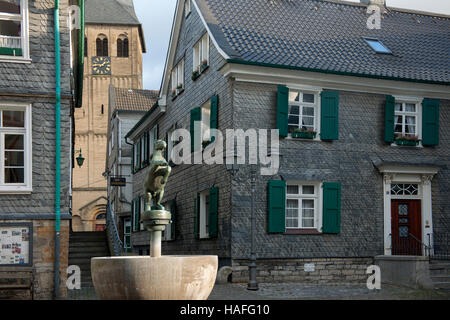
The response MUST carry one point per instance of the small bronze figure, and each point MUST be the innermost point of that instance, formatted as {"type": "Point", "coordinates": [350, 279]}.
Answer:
{"type": "Point", "coordinates": [157, 176]}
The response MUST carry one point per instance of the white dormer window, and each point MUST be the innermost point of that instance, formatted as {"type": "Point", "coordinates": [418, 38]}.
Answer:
{"type": "Point", "coordinates": [14, 30]}
{"type": "Point", "coordinates": [201, 54]}
{"type": "Point", "coordinates": [178, 78]}
{"type": "Point", "coordinates": [187, 7]}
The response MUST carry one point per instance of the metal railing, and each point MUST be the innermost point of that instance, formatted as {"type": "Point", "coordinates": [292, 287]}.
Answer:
{"type": "Point", "coordinates": [10, 42]}
{"type": "Point", "coordinates": [440, 246]}
{"type": "Point", "coordinates": [408, 246]}
{"type": "Point", "coordinates": [115, 244]}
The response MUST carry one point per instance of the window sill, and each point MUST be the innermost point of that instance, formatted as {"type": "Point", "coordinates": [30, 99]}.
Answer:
{"type": "Point", "coordinates": [303, 231]}
{"type": "Point", "coordinates": [197, 74]}
{"type": "Point", "coordinates": [419, 146]}
{"type": "Point", "coordinates": [15, 190]}
{"type": "Point", "coordinates": [179, 92]}
{"type": "Point", "coordinates": [289, 137]}
{"type": "Point", "coordinates": [12, 59]}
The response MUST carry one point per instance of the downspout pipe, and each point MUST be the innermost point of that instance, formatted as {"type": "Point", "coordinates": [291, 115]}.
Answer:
{"type": "Point", "coordinates": [57, 152]}
{"type": "Point", "coordinates": [81, 50]}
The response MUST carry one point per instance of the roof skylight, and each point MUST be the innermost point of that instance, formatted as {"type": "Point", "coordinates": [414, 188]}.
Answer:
{"type": "Point", "coordinates": [377, 46]}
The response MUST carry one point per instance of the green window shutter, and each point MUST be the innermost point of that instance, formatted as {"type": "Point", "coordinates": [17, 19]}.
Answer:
{"type": "Point", "coordinates": [166, 151]}
{"type": "Point", "coordinates": [138, 155]}
{"type": "Point", "coordinates": [389, 116]}
{"type": "Point", "coordinates": [282, 110]}
{"type": "Point", "coordinates": [173, 211]}
{"type": "Point", "coordinates": [196, 115]}
{"type": "Point", "coordinates": [214, 123]}
{"type": "Point", "coordinates": [197, 217]}
{"type": "Point", "coordinates": [331, 208]}
{"type": "Point", "coordinates": [213, 211]}
{"type": "Point", "coordinates": [146, 148]}
{"type": "Point", "coordinates": [136, 215]}
{"type": "Point", "coordinates": [329, 115]}
{"type": "Point", "coordinates": [134, 161]}
{"type": "Point", "coordinates": [430, 122]}
{"type": "Point", "coordinates": [276, 206]}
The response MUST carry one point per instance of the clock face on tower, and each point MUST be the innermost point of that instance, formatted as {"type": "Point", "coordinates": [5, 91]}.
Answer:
{"type": "Point", "coordinates": [101, 65]}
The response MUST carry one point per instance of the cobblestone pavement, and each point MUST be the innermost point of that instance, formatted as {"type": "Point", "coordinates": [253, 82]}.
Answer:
{"type": "Point", "coordinates": [299, 291]}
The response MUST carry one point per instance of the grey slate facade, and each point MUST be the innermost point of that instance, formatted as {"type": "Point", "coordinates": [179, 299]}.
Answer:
{"type": "Point", "coordinates": [32, 82]}
{"type": "Point", "coordinates": [247, 86]}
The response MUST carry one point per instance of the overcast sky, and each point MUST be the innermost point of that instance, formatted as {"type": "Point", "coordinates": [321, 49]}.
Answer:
{"type": "Point", "coordinates": [157, 16]}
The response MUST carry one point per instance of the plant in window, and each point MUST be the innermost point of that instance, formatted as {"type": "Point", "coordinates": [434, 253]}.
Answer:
{"type": "Point", "coordinates": [204, 65]}
{"type": "Point", "coordinates": [174, 92]}
{"type": "Point", "coordinates": [304, 133]}
{"type": "Point", "coordinates": [406, 140]}
{"type": "Point", "coordinates": [195, 75]}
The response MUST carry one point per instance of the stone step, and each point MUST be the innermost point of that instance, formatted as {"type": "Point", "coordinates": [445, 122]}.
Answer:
{"type": "Point", "coordinates": [93, 249]}
{"type": "Point", "coordinates": [441, 278]}
{"type": "Point", "coordinates": [88, 244]}
{"type": "Point", "coordinates": [442, 285]}
{"type": "Point", "coordinates": [96, 253]}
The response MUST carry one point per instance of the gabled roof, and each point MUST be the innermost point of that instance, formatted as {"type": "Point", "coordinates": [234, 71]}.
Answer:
{"type": "Point", "coordinates": [113, 12]}
{"type": "Point", "coordinates": [328, 36]}
{"type": "Point", "coordinates": [133, 99]}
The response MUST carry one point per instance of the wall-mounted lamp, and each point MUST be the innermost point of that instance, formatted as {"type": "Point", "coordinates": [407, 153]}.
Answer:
{"type": "Point", "coordinates": [80, 159]}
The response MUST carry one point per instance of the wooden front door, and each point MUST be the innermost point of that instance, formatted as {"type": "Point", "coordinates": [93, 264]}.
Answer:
{"type": "Point", "coordinates": [406, 227]}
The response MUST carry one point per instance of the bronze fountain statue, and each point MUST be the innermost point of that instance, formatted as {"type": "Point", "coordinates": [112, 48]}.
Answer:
{"type": "Point", "coordinates": [156, 218]}
{"type": "Point", "coordinates": [155, 277]}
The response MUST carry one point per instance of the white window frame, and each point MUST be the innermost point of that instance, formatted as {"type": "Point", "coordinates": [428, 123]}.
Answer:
{"type": "Point", "coordinates": [135, 153]}
{"type": "Point", "coordinates": [206, 120]}
{"type": "Point", "coordinates": [316, 105]}
{"type": "Point", "coordinates": [127, 224]}
{"type": "Point", "coordinates": [187, 7]}
{"type": "Point", "coordinates": [201, 53]}
{"type": "Point", "coordinates": [24, 18]}
{"type": "Point", "coordinates": [167, 233]}
{"type": "Point", "coordinates": [404, 114]}
{"type": "Point", "coordinates": [170, 144]}
{"type": "Point", "coordinates": [204, 215]}
{"type": "Point", "coordinates": [316, 197]}
{"type": "Point", "coordinates": [153, 138]}
{"type": "Point", "coordinates": [141, 212]}
{"type": "Point", "coordinates": [178, 77]}
{"type": "Point", "coordinates": [27, 186]}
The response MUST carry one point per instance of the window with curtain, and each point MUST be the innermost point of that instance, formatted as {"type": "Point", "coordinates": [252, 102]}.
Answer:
{"type": "Point", "coordinates": [406, 120]}
{"type": "Point", "coordinates": [12, 21]}
{"type": "Point", "coordinates": [102, 46]}
{"type": "Point", "coordinates": [122, 47]}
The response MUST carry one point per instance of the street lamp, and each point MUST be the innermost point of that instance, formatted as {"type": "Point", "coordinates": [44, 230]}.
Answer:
{"type": "Point", "coordinates": [80, 159]}
{"type": "Point", "coordinates": [252, 283]}
{"type": "Point", "coordinates": [234, 169]}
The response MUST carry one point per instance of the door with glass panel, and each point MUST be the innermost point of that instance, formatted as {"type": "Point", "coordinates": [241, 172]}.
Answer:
{"type": "Point", "coordinates": [406, 227]}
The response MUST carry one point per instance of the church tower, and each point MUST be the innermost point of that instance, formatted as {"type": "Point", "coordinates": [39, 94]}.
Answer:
{"type": "Point", "coordinates": [114, 44]}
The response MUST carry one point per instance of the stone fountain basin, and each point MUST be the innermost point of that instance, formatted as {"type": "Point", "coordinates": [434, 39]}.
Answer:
{"type": "Point", "coordinates": [148, 278]}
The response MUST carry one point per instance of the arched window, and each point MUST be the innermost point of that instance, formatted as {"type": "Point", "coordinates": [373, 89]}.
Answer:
{"type": "Point", "coordinates": [122, 47]}
{"type": "Point", "coordinates": [101, 216]}
{"type": "Point", "coordinates": [102, 46]}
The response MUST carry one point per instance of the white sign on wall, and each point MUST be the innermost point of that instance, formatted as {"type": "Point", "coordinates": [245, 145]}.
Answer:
{"type": "Point", "coordinates": [14, 245]}
{"type": "Point", "coordinates": [310, 267]}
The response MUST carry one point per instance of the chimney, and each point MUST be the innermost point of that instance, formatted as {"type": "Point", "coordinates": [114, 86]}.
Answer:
{"type": "Point", "coordinates": [381, 3]}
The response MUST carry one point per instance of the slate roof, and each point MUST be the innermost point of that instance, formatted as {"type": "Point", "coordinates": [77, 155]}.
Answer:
{"type": "Point", "coordinates": [111, 12]}
{"type": "Point", "coordinates": [327, 36]}
{"type": "Point", "coordinates": [134, 100]}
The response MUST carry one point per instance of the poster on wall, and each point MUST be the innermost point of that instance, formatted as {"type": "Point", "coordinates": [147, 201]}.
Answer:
{"type": "Point", "coordinates": [14, 245]}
